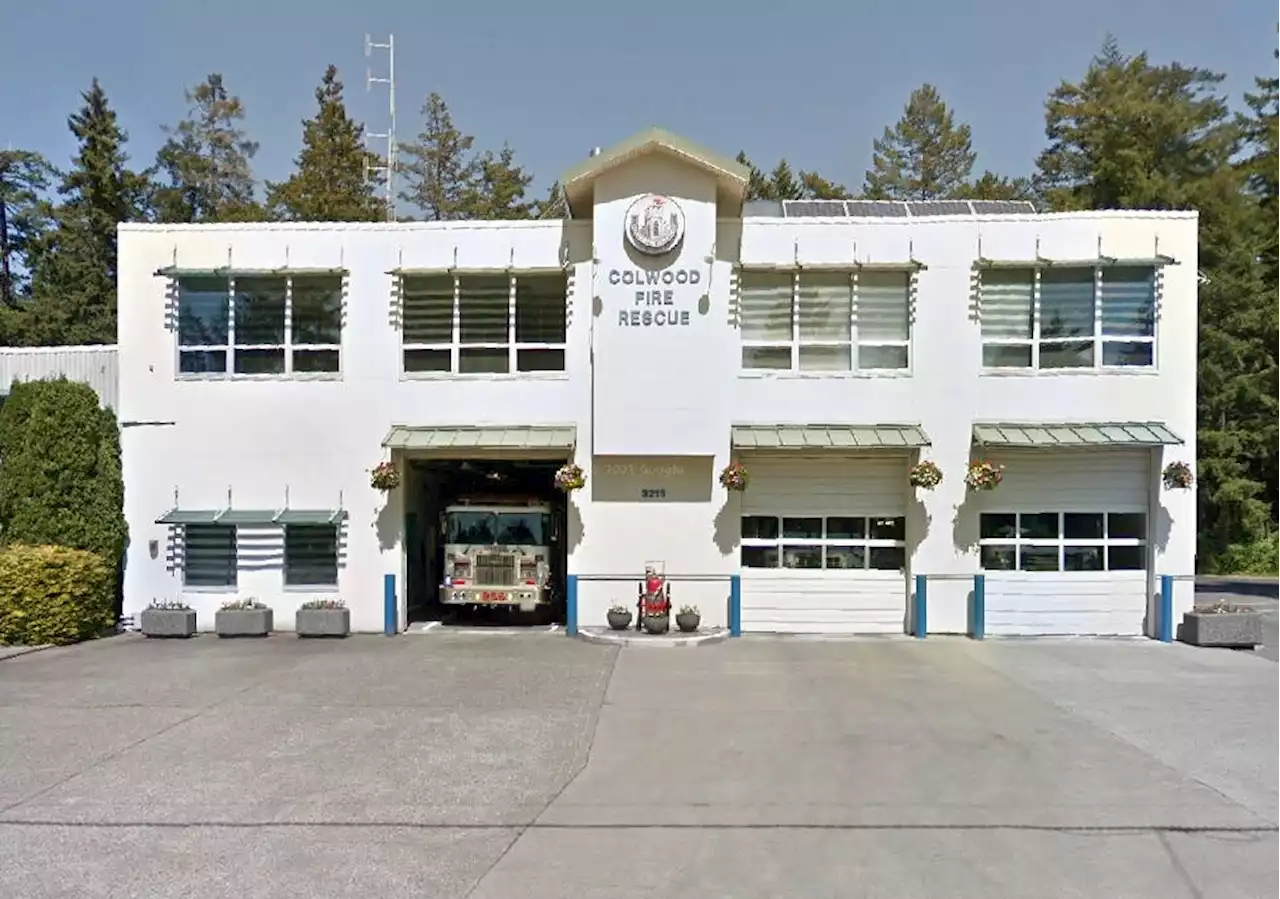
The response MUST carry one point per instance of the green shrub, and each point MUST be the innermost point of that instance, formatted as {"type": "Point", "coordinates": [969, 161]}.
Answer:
{"type": "Point", "coordinates": [1257, 558]}
{"type": "Point", "coordinates": [60, 478]}
{"type": "Point", "coordinates": [54, 594]}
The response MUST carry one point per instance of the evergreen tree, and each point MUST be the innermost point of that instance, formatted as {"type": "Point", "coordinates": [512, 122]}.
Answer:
{"type": "Point", "coordinates": [331, 183]}
{"type": "Point", "coordinates": [991, 186]}
{"type": "Point", "coordinates": [925, 156]}
{"type": "Point", "coordinates": [207, 161]}
{"type": "Point", "coordinates": [24, 217]}
{"type": "Point", "coordinates": [498, 188]}
{"type": "Point", "coordinates": [73, 275]}
{"type": "Point", "coordinates": [1132, 135]}
{"type": "Point", "coordinates": [815, 187]}
{"type": "Point", "coordinates": [438, 165]}
{"type": "Point", "coordinates": [554, 206]}
{"type": "Point", "coordinates": [783, 184]}
{"type": "Point", "coordinates": [757, 184]}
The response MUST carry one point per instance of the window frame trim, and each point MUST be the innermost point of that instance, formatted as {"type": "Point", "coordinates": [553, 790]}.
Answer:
{"type": "Point", "coordinates": [288, 346]}
{"type": "Point", "coordinates": [795, 343]}
{"type": "Point", "coordinates": [1061, 543]}
{"type": "Point", "coordinates": [455, 346]}
{"type": "Point", "coordinates": [1097, 339]}
{"type": "Point", "coordinates": [866, 543]}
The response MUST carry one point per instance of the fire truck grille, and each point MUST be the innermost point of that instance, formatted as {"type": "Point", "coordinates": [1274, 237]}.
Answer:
{"type": "Point", "coordinates": [497, 569]}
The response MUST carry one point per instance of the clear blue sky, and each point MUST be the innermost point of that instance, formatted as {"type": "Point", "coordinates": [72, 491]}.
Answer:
{"type": "Point", "coordinates": [814, 82]}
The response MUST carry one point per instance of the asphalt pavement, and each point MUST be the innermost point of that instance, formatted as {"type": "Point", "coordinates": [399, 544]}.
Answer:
{"type": "Point", "coordinates": [494, 766]}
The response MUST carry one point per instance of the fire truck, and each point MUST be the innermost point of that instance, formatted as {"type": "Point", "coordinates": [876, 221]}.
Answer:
{"type": "Point", "coordinates": [497, 553]}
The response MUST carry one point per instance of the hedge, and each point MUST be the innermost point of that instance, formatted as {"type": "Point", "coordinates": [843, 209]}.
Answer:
{"type": "Point", "coordinates": [53, 594]}
{"type": "Point", "coordinates": [60, 478]}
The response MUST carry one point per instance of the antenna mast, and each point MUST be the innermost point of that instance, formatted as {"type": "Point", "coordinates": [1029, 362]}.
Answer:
{"type": "Point", "coordinates": [388, 169]}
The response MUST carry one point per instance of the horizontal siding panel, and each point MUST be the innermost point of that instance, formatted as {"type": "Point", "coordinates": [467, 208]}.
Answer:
{"type": "Point", "coordinates": [802, 483]}
{"type": "Point", "coordinates": [1057, 480]}
{"type": "Point", "coordinates": [836, 602]}
{"type": "Point", "coordinates": [93, 365]}
{"type": "Point", "coordinates": [1072, 603]}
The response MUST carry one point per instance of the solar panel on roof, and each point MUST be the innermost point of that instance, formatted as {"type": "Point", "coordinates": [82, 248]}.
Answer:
{"type": "Point", "coordinates": [762, 208]}
{"type": "Point", "coordinates": [813, 208]}
{"type": "Point", "coordinates": [939, 207]}
{"type": "Point", "coordinates": [876, 208]}
{"type": "Point", "coordinates": [997, 207]}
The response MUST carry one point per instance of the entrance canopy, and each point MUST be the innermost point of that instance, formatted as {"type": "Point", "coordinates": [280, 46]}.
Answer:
{"type": "Point", "coordinates": [827, 437]}
{"type": "Point", "coordinates": [1076, 434]}
{"type": "Point", "coordinates": [528, 441]}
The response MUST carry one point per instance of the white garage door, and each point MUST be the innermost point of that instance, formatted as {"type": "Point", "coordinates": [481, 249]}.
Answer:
{"type": "Point", "coordinates": [1063, 541]}
{"type": "Point", "coordinates": [823, 544]}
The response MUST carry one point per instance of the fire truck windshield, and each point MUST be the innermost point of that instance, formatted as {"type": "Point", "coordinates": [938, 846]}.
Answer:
{"type": "Point", "coordinates": [504, 528]}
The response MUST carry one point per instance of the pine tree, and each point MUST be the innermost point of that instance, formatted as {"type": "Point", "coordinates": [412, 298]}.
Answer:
{"type": "Point", "coordinates": [783, 184]}
{"type": "Point", "coordinates": [73, 276]}
{"type": "Point", "coordinates": [554, 206]}
{"type": "Point", "coordinates": [815, 187]}
{"type": "Point", "coordinates": [331, 183]}
{"type": "Point", "coordinates": [24, 217]}
{"type": "Point", "coordinates": [925, 156]}
{"type": "Point", "coordinates": [990, 186]}
{"type": "Point", "coordinates": [438, 165]}
{"type": "Point", "coordinates": [207, 161]}
{"type": "Point", "coordinates": [757, 184]}
{"type": "Point", "coordinates": [498, 188]}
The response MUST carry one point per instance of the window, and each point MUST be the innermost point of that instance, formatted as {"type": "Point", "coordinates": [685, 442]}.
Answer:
{"type": "Point", "coordinates": [260, 324]}
{"type": "Point", "coordinates": [825, 321]}
{"type": "Point", "coordinates": [483, 323]}
{"type": "Point", "coordinates": [209, 555]}
{"type": "Point", "coordinates": [1063, 541]}
{"type": "Point", "coordinates": [311, 555]}
{"type": "Point", "coordinates": [831, 542]}
{"type": "Point", "coordinates": [1068, 317]}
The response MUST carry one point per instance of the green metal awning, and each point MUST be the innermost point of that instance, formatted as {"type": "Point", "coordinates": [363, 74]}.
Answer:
{"type": "Point", "coordinates": [828, 437]}
{"type": "Point", "coordinates": [520, 438]}
{"type": "Point", "coordinates": [252, 516]}
{"type": "Point", "coordinates": [1089, 262]}
{"type": "Point", "coordinates": [176, 271]}
{"type": "Point", "coordinates": [1074, 434]}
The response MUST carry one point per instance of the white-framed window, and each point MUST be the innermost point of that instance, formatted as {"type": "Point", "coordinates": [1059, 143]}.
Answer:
{"type": "Point", "coordinates": [311, 555]}
{"type": "Point", "coordinates": [839, 542]}
{"type": "Point", "coordinates": [209, 557]}
{"type": "Point", "coordinates": [488, 323]}
{"type": "Point", "coordinates": [260, 324]}
{"type": "Point", "coordinates": [1063, 541]}
{"type": "Point", "coordinates": [1069, 317]}
{"type": "Point", "coordinates": [825, 321]}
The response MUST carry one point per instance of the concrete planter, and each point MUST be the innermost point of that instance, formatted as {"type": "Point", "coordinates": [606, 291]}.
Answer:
{"type": "Point", "coordinates": [619, 621]}
{"type": "Point", "coordinates": [1235, 630]}
{"type": "Point", "coordinates": [243, 622]}
{"type": "Point", "coordinates": [168, 622]}
{"type": "Point", "coordinates": [323, 622]}
{"type": "Point", "coordinates": [688, 622]}
{"type": "Point", "coordinates": [657, 624]}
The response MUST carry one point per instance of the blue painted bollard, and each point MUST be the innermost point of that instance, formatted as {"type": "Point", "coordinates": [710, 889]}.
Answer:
{"type": "Point", "coordinates": [571, 605]}
{"type": "Point", "coordinates": [1164, 614]}
{"type": "Point", "coordinates": [920, 605]}
{"type": "Point", "coordinates": [390, 611]}
{"type": "Point", "coordinates": [978, 608]}
{"type": "Point", "coordinates": [735, 605]}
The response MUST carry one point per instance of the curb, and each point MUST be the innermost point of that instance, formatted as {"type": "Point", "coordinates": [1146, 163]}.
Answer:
{"type": "Point", "coordinates": [607, 637]}
{"type": "Point", "coordinates": [13, 652]}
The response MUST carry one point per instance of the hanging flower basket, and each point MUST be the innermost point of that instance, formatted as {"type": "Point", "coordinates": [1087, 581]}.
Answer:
{"type": "Point", "coordinates": [734, 477]}
{"type": "Point", "coordinates": [925, 475]}
{"type": "Point", "coordinates": [1178, 476]}
{"type": "Point", "coordinates": [385, 476]}
{"type": "Point", "coordinates": [569, 477]}
{"type": "Point", "coordinates": [983, 475]}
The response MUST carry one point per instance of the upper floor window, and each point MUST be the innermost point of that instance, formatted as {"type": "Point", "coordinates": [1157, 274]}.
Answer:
{"type": "Point", "coordinates": [254, 324]}
{"type": "Point", "coordinates": [1068, 317]}
{"type": "Point", "coordinates": [825, 321]}
{"type": "Point", "coordinates": [483, 323]}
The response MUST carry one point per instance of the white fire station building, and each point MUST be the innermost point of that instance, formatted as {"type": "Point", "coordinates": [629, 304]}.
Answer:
{"type": "Point", "coordinates": [664, 329]}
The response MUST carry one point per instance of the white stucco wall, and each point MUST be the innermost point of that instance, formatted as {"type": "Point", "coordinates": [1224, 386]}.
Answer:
{"type": "Point", "coordinates": [672, 392]}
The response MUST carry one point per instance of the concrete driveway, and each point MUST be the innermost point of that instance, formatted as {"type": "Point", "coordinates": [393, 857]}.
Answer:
{"type": "Point", "coordinates": [498, 766]}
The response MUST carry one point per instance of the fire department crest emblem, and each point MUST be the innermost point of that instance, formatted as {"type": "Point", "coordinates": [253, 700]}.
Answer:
{"type": "Point", "coordinates": [655, 225]}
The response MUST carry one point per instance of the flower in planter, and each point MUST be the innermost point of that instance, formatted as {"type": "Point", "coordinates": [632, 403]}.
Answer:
{"type": "Point", "coordinates": [734, 477]}
{"type": "Point", "coordinates": [688, 610]}
{"type": "Point", "coordinates": [248, 604]}
{"type": "Point", "coordinates": [385, 476]}
{"type": "Point", "coordinates": [619, 609]}
{"type": "Point", "coordinates": [926, 475]}
{"type": "Point", "coordinates": [1178, 476]}
{"type": "Point", "coordinates": [169, 605]}
{"type": "Point", "coordinates": [570, 477]}
{"type": "Point", "coordinates": [983, 475]}
{"type": "Point", "coordinates": [331, 603]}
